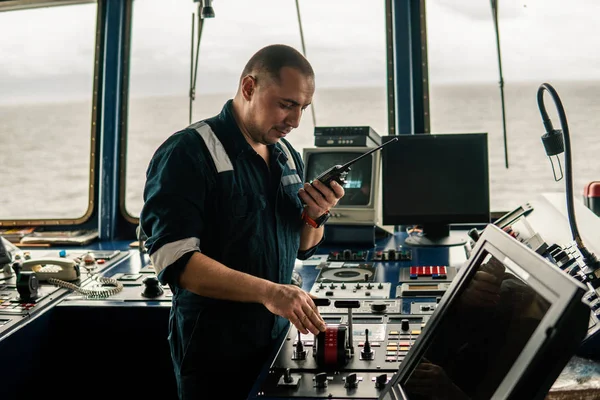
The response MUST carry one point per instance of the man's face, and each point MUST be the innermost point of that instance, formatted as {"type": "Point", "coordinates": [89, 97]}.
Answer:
{"type": "Point", "coordinates": [276, 107]}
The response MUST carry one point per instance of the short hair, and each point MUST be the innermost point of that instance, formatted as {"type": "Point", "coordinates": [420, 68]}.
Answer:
{"type": "Point", "coordinates": [271, 59]}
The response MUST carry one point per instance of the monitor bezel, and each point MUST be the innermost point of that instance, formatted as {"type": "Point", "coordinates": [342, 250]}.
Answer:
{"type": "Point", "coordinates": [566, 313]}
{"type": "Point", "coordinates": [440, 219]}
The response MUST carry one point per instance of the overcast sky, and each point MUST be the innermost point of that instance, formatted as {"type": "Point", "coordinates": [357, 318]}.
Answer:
{"type": "Point", "coordinates": [50, 50]}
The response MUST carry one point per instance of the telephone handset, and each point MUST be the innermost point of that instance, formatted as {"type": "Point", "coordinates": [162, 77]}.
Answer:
{"type": "Point", "coordinates": [60, 271]}
{"type": "Point", "coordinates": [45, 268]}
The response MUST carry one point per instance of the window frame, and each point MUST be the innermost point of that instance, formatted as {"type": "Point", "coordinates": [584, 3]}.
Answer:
{"type": "Point", "coordinates": [85, 221]}
{"type": "Point", "coordinates": [391, 101]}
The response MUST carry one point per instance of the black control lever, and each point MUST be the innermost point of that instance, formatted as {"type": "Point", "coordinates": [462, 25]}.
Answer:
{"type": "Point", "coordinates": [346, 303]}
{"type": "Point", "coordinates": [299, 352]}
{"type": "Point", "coordinates": [349, 304]}
{"type": "Point", "coordinates": [321, 302]}
{"type": "Point", "coordinates": [367, 353]}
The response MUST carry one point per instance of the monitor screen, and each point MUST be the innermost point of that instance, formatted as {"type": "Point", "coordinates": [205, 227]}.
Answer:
{"type": "Point", "coordinates": [358, 181]}
{"type": "Point", "coordinates": [435, 180]}
{"type": "Point", "coordinates": [505, 329]}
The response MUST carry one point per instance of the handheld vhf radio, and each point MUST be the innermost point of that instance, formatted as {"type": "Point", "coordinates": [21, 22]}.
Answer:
{"type": "Point", "coordinates": [338, 173]}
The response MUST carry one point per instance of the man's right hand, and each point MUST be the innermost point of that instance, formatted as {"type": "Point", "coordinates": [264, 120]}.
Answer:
{"type": "Point", "coordinates": [293, 303]}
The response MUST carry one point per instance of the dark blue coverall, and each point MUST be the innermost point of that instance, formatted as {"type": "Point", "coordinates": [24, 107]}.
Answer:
{"type": "Point", "coordinates": [207, 190]}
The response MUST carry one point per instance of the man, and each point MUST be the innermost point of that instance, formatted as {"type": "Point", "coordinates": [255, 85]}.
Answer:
{"type": "Point", "coordinates": [226, 215]}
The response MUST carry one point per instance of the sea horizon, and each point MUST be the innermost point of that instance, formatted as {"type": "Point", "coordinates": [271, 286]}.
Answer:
{"type": "Point", "coordinates": [31, 163]}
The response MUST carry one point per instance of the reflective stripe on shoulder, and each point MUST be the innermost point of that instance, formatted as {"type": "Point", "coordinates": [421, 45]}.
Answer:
{"type": "Point", "coordinates": [214, 145]}
{"type": "Point", "coordinates": [293, 177]}
{"type": "Point", "coordinates": [290, 160]}
{"type": "Point", "coordinates": [171, 252]}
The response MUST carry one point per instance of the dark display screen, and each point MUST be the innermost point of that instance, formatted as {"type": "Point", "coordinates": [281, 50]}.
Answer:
{"type": "Point", "coordinates": [358, 181]}
{"type": "Point", "coordinates": [439, 178]}
{"type": "Point", "coordinates": [480, 336]}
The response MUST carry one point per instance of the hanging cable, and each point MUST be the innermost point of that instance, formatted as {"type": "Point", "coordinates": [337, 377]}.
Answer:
{"type": "Point", "coordinates": [312, 107]}
{"type": "Point", "coordinates": [203, 12]}
{"type": "Point", "coordinates": [494, 4]}
{"type": "Point", "coordinates": [192, 91]}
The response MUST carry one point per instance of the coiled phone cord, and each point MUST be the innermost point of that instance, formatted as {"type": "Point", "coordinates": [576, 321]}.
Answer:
{"type": "Point", "coordinates": [96, 293]}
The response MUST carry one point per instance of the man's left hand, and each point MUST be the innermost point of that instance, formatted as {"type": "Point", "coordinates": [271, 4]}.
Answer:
{"type": "Point", "coordinates": [319, 198]}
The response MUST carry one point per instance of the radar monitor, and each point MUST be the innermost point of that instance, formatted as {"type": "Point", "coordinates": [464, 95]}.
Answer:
{"type": "Point", "coordinates": [361, 204]}
{"type": "Point", "coordinates": [435, 180]}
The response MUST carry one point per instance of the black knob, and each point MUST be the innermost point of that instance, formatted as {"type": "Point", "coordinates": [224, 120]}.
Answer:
{"type": "Point", "coordinates": [321, 380]}
{"type": "Point", "coordinates": [405, 325]}
{"type": "Point", "coordinates": [378, 307]}
{"type": "Point", "coordinates": [392, 255]}
{"type": "Point", "coordinates": [574, 270]}
{"type": "Point", "coordinates": [27, 285]}
{"type": "Point", "coordinates": [474, 234]}
{"type": "Point", "coordinates": [381, 381]}
{"type": "Point", "coordinates": [152, 287]}
{"type": "Point", "coordinates": [351, 381]}
{"type": "Point", "coordinates": [347, 254]}
{"type": "Point", "coordinates": [366, 277]}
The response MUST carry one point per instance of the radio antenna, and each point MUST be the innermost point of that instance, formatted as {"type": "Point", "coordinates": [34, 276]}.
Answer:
{"type": "Point", "coordinates": [367, 153]}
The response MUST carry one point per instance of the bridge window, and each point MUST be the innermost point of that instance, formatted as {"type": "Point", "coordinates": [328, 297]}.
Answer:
{"type": "Point", "coordinates": [345, 42]}
{"type": "Point", "coordinates": [540, 42]}
{"type": "Point", "coordinates": [46, 113]}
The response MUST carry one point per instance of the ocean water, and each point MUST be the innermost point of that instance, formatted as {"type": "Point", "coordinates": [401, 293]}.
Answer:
{"type": "Point", "coordinates": [45, 148]}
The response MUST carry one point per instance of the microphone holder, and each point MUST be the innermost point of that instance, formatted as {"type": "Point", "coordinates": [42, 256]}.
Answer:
{"type": "Point", "coordinates": [555, 142]}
